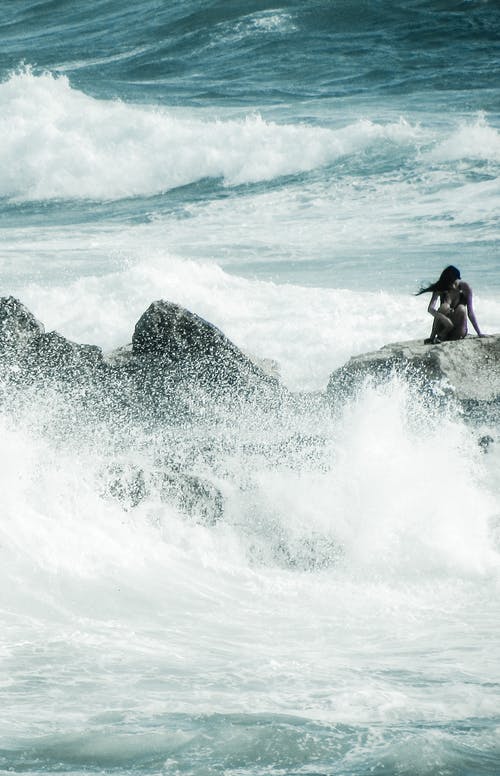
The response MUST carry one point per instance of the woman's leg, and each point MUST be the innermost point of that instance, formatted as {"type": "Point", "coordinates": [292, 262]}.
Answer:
{"type": "Point", "coordinates": [459, 318]}
{"type": "Point", "coordinates": [442, 326]}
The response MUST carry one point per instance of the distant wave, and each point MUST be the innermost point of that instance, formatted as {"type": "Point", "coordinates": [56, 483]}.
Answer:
{"type": "Point", "coordinates": [472, 140]}
{"type": "Point", "coordinates": [61, 143]}
{"type": "Point", "coordinates": [250, 54]}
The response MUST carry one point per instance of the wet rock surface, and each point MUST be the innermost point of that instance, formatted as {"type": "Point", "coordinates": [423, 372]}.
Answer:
{"type": "Point", "coordinates": [178, 365]}
{"type": "Point", "coordinates": [192, 496]}
{"type": "Point", "coordinates": [18, 326]}
{"type": "Point", "coordinates": [467, 369]}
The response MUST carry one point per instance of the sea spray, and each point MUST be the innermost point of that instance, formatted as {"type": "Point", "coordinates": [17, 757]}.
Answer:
{"type": "Point", "coordinates": [350, 481]}
{"type": "Point", "coordinates": [327, 549]}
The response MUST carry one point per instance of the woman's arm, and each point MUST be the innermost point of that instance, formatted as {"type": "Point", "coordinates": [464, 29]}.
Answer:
{"type": "Point", "coordinates": [467, 292]}
{"type": "Point", "coordinates": [432, 304]}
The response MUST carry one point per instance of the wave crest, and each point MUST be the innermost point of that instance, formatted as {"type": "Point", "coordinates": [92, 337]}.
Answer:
{"type": "Point", "coordinates": [59, 143]}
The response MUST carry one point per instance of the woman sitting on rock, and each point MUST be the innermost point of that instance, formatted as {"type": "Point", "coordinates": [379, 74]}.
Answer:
{"type": "Point", "coordinates": [455, 306]}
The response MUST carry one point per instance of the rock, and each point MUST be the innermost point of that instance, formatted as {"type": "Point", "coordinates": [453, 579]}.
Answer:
{"type": "Point", "coordinates": [190, 347]}
{"type": "Point", "coordinates": [469, 368]}
{"type": "Point", "coordinates": [30, 354]}
{"type": "Point", "coordinates": [59, 357]}
{"type": "Point", "coordinates": [126, 484]}
{"type": "Point", "coordinates": [192, 496]}
{"type": "Point", "coordinates": [178, 368]}
{"type": "Point", "coordinates": [485, 442]}
{"type": "Point", "coordinates": [17, 325]}
{"type": "Point", "coordinates": [170, 331]}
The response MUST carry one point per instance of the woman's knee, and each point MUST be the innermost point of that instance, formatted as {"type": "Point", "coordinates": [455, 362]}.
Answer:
{"type": "Point", "coordinates": [444, 323]}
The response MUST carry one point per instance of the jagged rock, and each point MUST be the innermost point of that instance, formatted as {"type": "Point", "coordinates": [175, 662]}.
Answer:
{"type": "Point", "coordinates": [124, 356]}
{"type": "Point", "coordinates": [187, 345]}
{"type": "Point", "coordinates": [54, 354]}
{"type": "Point", "coordinates": [468, 368]}
{"type": "Point", "coordinates": [179, 367]}
{"type": "Point", "coordinates": [194, 496]}
{"type": "Point", "coordinates": [18, 326]}
{"type": "Point", "coordinates": [174, 333]}
{"type": "Point", "coordinates": [125, 483]}
{"type": "Point", "coordinates": [29, 353]}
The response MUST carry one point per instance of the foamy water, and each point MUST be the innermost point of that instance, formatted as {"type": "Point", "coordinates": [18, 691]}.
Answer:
{"type": "Point", "coordinates": [330, 603]}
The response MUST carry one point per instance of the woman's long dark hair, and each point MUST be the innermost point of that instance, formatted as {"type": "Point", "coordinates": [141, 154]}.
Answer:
{"type": "Point", "coordinates": [445, 282]}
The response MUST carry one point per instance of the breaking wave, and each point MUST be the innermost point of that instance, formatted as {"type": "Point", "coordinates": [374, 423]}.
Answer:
{"type": "Point", "coordinates": [61, 143]}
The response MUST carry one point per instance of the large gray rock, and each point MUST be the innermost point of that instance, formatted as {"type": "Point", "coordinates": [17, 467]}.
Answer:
{"type": "Point", "coordinates": [184, 344]}
{"type": "Point", "coordinates": [169, 330]}
{"type": "Point", "coordinates": [467, 368]}
{"type": "Point", "coordinates": [178, 366]}
{"type": "Point", "coordinates": [29, 354]}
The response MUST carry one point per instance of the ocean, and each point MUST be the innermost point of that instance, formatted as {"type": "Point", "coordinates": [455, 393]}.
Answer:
{"type": "Point", "coordinates": [292, 172]}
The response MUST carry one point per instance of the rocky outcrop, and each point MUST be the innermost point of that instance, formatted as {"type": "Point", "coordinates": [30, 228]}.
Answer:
{"type": "Point", "coordinates": [185, 344]}
{"type": "Point", "coordinates": [178, 364]}
{"type": "Point", "coordinates": [176, 334]}
{"type": "Point", "coordinates": [18, 326]}
{"type": "Point", "coordinates": [29, 354]}
{"type": "Point", "coordinates": [468, 369]}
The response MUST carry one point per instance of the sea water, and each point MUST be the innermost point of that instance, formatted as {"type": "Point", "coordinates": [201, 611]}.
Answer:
{"type": "Point", "coordinates": [292, 172]}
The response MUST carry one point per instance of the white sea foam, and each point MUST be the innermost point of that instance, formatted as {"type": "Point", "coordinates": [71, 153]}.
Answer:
{"type": "Point", "coordinates": [265, 22]}
{"type": "Point", "coordinates": [388, 488]}
{"type": "Point", "coordinates": [361, 490]}
{"type": "Point", "coordinates": [472, 140]}
{"type": "Point", "coordinates": [60, 143]}
{"type": "Point", "coordinates": [190, 620]}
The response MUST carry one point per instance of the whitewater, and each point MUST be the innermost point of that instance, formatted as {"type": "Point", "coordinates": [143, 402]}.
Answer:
{"type": "Point", "coordinates": [293, 174]}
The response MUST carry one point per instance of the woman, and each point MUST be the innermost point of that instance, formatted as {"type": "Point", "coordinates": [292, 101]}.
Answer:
{"type": "Point", "coordinates": [455, 306]}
